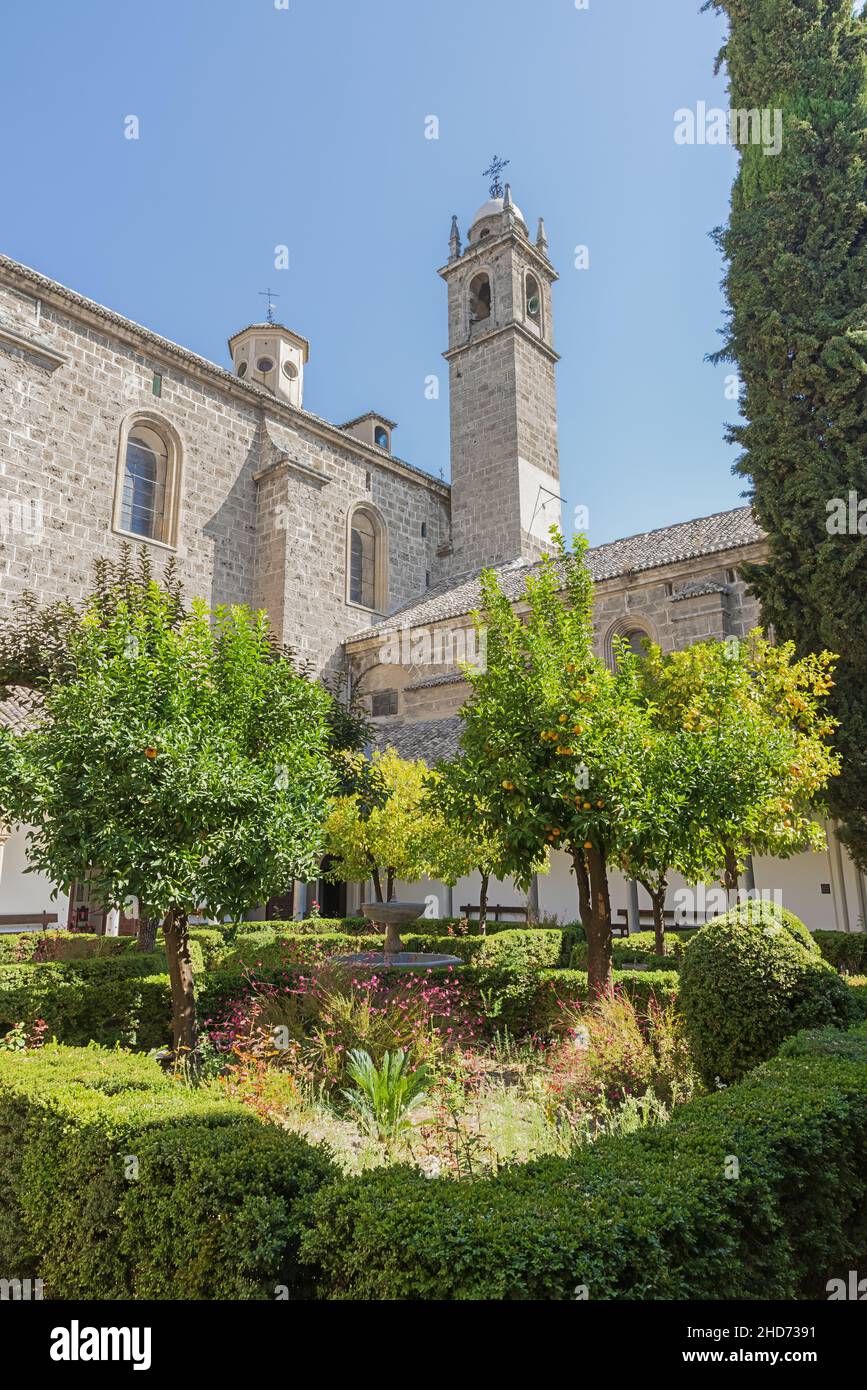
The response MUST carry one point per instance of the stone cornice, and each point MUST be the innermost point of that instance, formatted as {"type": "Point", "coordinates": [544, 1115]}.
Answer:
{"type": "Point", "coordinates": [480, 250]}
{"type": "Point", "coordinates": [514, 327]}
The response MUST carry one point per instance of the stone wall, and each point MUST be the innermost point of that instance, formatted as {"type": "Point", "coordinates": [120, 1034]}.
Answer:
{"type": "Point", "coordinates": [265, 490]}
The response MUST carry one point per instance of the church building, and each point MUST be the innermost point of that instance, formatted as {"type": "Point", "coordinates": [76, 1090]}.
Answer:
{"type": "Point", "coordinates": [367, 565]}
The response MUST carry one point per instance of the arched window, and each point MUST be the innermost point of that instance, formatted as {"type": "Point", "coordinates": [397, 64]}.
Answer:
{"type": "Point", "coordinates": [533, 300]}
{"type": "Point", "coordinates": [380, 437]}
{"type": "Point", "coordinates": [368, 584]}
{"type": "Point", "coordinates": [626, 630]}
{"type": "Point", "coordinates": [480, 298]}
{"type": "Point", "coordinates": [147, 481]}
{"type": "Point", "coordinates": [635, 639]}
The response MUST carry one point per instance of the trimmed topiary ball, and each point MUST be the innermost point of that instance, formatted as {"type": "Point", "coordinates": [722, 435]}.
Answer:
{"type": "Point", "coordinates": [766, 913]}
{"type": "Point", "coordinates": [746, 983]}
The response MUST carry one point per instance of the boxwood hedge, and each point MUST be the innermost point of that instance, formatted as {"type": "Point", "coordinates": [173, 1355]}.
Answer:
{"type": "Point", "coordinates": [116, 1182]}
{"type": "Point", "coordinates": [746, 983]}
{"type": "Point", "coordinates": [666, 1213]}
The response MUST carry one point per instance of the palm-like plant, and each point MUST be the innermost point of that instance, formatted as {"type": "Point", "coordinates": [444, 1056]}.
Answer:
{"type": "Point", "coordinates": [384, 1097]}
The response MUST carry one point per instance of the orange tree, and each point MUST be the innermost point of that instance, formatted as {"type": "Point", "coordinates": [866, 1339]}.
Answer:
{"type": "Point", "coordinates": [464, 839]}
{"type": "Point", "coordinates": [683, 763]}
{"type": "Point", "coordinates": [182, 762]}
{"type": "Point", "coordinates": [555, 739]}
{"type": "Point", "coordinates": [756, 717]}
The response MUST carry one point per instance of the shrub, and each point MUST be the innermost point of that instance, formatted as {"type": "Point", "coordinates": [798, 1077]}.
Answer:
{"type": "Point", "coordinates": [383, 1097]}
{"type": "Point", "coordinates": [828, 1042]}
{"type": "Point", "coordinates": [16, 948]}
{"type": "Point", "coordinates": [611, 1053]}
{"type": "Point", "coordinates": [212, 1213]}
{"type": "Point", "coordinates": [762, 913]}
{"type": "Point", "coordinates": [844, 950]}
{"type": "Point", "coordinates": [327, 1014]}
{"type": "Point", "coordinates": [119, 999]}
{"type": "Point", "coordinates": [211, 943]}
{"type": "Point", "coordinates": [746, 983]}
{"type": "Point", "coordinates": [649, 1216]}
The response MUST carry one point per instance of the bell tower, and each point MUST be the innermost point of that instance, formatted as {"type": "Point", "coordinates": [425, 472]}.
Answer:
{"type": "Point", "coordinates": [502, 388]}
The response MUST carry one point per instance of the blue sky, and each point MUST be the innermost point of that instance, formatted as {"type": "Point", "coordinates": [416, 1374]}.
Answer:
{"type": "Point", "coordinates": [305, 126]}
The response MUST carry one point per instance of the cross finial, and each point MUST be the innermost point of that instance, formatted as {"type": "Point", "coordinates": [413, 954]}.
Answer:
{"type": "Point", "coordinates": [493, 172]}
{"type": "Point", "coordinates": [269, 294]}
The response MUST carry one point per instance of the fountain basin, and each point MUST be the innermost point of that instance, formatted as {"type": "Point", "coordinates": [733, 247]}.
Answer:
{"type": "Point", "coordinates": [397, 960]}
{"type": "Point", "coordinates": [392, 916]}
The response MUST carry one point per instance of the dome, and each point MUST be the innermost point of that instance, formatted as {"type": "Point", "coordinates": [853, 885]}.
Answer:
{"type": "Point", "coordinates": [492, 208]}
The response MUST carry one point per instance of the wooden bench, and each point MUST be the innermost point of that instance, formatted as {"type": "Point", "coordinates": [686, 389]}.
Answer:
{"type": "Point", "coordinates": [496, 912]}
{"type": "Point", "coordinates": [12, 922]}
{"type": "Point", "coordinates": [645, 919]}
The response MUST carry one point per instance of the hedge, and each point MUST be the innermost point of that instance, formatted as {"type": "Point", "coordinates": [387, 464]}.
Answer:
{"type": "Point", "coordinates": [828, 1042]}
{"type": "Point", "coordinates": [845, 950]}
{"type": "Point", "coordinates": [650, 1216]}
{"type": "Point", "coordinates": [213, 1212]}
{"type": "Point", "coordinates": [118, 1000]}
{"type": "Point", "coordinates": [17, 947]}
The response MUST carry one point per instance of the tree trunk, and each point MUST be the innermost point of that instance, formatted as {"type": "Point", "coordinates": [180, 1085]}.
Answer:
{"type": "Point", "coordinates": [580, 867]}
{"type": "Point", "coordinates": [483, 901]}
{"type": "Point", "coordinates": [731, 881]}
{"type": "Point", "coordinates": [389, 885]}
{"type": "Point", "coordinates": [147, 932]}
{"type": "Point", "coordinates": [657, 898]}
{"type": "Point", "coordinates": [377, 884]}
{"type": "Point", "coordinates": [183, 991]}
{"type": "Point", "coordinates": [599, 934]}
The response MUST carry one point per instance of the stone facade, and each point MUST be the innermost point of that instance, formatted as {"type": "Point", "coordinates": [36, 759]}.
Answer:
{"type": "Point", "coordinates": [265, 490]}
{"type": "Point", "coordinates": [263, 493]}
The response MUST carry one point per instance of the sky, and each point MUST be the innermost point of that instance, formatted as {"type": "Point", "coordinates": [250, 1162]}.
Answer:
{"type": "Point", "coordinates": [302, 123]}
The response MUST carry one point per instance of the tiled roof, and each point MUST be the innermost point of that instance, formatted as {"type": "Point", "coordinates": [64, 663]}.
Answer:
{"type": "Point", "coordinates": [18, 710]}
{"type": "Point", "coordinates": [452, 678]}
{"type": "Point", "coordinates": [430, 739]}
{"type": "Point", "coordinates": [698, 591]}
{"type": "Point", "coordinates": [686, 540]}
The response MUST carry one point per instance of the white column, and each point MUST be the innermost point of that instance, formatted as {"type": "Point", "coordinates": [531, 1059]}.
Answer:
{"type": "Point", "coordinates": [838, 880]}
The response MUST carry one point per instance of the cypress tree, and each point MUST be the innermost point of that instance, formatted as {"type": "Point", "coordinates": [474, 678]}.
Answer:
{"type": "Point", "coordinates": [796, 281]}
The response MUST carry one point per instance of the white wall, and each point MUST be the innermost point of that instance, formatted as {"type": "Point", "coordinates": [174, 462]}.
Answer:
{"type": "Point", "coordinates": [26, 893]}
{"type": "Point", "coordinates": [799, 881]}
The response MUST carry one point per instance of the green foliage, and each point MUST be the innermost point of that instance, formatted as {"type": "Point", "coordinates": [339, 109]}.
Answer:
{"type": "Point", "coordinates": [122, 999]}
{"type": "Point", "coordinates": [796, 251]}
{"type": "Point", "coordinates": [746, 983]}
{"type": "Point", "coordinates": [844, 950]}
{"type": "Point", "coordinates": [383, 828]}
{"type": "Point", "coordinates": [384, 1096]}
{"type": "Point", "coordinates": [183, 765]}
{"type": "Point", "coordinates": [73, 1214]}
{"type": "Point", "coordinates": [60, 945]}
{"type": "Point", "coordinates": [38, 643]}
{"type": "Point", "coordinates": [828, 1042]}
{"type": "Point", "coordinates": [649, 1216]}
{"type": "Point", "coordinates": [758, 910]}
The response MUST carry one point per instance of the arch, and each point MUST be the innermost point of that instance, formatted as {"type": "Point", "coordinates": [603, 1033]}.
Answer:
{"type": "Point", "coordinates": [147, 486]}
{"type": "Point", "coordinates": [631, 630]}
{"type": "Point", "coordinates": [366, 558]}
{"type": "Point", "coordinates": [480, 297]}
{"type": "Point", "coordinates": [533, 303]}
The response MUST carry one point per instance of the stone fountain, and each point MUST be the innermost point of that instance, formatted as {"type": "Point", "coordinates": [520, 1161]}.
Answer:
{"type": "Point", "coordinates": [392, 916]}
